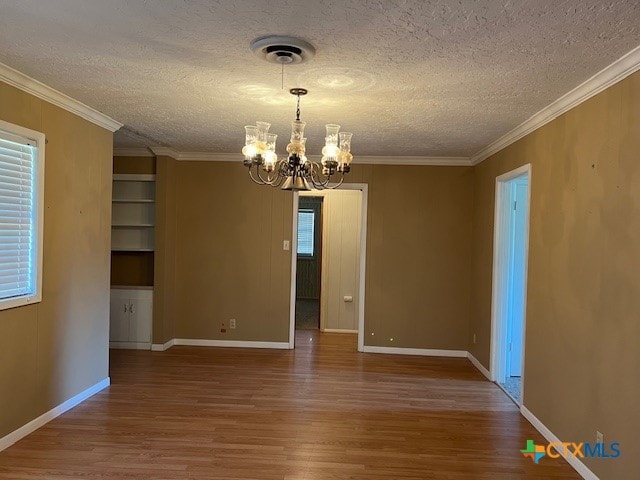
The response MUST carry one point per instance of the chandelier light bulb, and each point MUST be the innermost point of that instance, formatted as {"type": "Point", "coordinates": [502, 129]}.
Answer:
{"type": "Point", "coordinates": [330, 151]}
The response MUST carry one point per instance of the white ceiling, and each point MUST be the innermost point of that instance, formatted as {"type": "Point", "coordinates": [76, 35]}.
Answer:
{"type": "Point", "coordinates": [427, 78]}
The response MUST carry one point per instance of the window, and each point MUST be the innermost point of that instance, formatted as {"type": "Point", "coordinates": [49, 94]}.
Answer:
{"type": "Point", "coordinates": [21, 207]}
{"type": "Point", "coordinates": [306, 223]}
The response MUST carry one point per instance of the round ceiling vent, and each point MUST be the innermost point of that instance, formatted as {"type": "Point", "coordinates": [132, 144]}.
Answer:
{"type": "Point", "coordinates": [282, 50]}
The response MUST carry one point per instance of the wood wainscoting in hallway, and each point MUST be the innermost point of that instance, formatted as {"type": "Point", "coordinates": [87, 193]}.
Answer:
{"type": "Point", "coordinates": [319, 412]}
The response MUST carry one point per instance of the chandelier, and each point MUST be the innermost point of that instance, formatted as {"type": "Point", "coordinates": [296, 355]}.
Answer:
{"type": "Point", "coordinates": [295, 172]}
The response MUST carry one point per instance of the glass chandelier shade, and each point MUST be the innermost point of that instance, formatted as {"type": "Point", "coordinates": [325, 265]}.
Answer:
{"type": "Point", "coordinates": [296, 172]}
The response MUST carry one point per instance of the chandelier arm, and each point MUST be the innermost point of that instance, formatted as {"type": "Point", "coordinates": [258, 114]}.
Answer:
{"type": "Point", "coordinates": [279, 181]}
{"type": "Point", "coordinates": [259, 182]}
{"type": "Point", "coordinates": [312, 176]}
{"type": "Point", "coordinates": [318, 182]}
{"type": "Point", "coordinates": [280, 176]}
{"type": "Point", "coordinates": [337, 184]}
{"type": "Point", "coordinates": [267, 181]}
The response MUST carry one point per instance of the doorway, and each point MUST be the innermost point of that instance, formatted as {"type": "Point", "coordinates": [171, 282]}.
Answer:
{"type": "Point", "coordinates": [308, 262]}
{"type": "Point", "coordinates": [328, 261]}
{"type": "Point", "coordinates": [511, 243]}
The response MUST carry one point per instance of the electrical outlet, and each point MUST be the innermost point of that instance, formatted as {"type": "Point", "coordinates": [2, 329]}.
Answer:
{"type": "Point", "coordinates": [474, 338]}
{"type": "Point", "coordinates": [232, 323]}
{"type": "Point", "coordinates": [599, 437]}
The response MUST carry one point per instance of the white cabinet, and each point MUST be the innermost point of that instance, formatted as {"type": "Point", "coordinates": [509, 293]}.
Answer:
{"type": "Point", "coordinates": [131, 318]}
{"type": "Point", "coordinates": [133, 213]}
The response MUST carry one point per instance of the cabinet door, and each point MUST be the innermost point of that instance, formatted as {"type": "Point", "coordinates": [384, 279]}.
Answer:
{"type": "Point", "coordinates": [119, 320]}
{"type": "Point", "coordinates": [141, 315]}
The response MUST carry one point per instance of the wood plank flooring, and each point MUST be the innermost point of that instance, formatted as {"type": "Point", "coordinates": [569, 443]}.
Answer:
{"type": "Point", "coordinates": [322, 411]}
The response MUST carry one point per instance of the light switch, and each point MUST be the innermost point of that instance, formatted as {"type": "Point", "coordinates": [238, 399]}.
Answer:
{"type": "Point", "coordinates": [285, 245]}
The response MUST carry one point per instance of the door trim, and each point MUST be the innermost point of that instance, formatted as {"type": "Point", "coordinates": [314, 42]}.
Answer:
{"type": "Point", "coordinates": [364, 188]}
{"type": "Point", "coordinates": [497, 326]}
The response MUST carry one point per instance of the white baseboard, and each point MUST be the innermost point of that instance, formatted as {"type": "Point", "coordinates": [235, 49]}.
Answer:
{"type": "Point", "coordinates": [130, 345]}
{"type": "Point", "coordinates": [479, 366]}
{"type": "Point", "coordinates": [33, 425]}
{"type": "Point", "coordinates": [161, 347]}
{"type": "Point", "coordinates": [425, 352]}
{"type": "Point", "coordinates": [196, 342]}
{"type": "Point", "coordinates": [338, 330]}
{"type": "Point", "coordinates": [575, 462]}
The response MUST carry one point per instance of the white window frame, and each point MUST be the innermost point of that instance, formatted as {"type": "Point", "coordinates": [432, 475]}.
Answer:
{"type": "Point", "coordinates": [40, 140]}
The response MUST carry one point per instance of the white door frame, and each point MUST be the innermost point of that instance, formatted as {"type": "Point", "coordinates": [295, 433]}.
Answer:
{"type": "Point", "coordinates": [498, 326]}
{"type": "Point", "coordinates": [364, 188]}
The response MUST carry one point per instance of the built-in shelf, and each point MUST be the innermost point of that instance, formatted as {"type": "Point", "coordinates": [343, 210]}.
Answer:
{"type": "Point", "coordinates": [133, 200]}
{"type": "Point", "coordinates": [134, 177]}
{"type": "Point", "coordinates": [133, 213]}
{"type": "Point", "coordinates": [133, 225]}
{"type": "Point", "coordinates": [132, 249]}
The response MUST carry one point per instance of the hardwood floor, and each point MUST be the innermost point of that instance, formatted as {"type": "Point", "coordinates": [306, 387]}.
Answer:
{"type": "Point", "coordinates": [322, 411]}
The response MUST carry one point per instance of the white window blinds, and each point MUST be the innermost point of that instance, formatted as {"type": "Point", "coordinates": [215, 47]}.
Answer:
{"type": "Point", "coordinates": [306, 220]}
{"type": "Point", "coordinates": [17, 216]}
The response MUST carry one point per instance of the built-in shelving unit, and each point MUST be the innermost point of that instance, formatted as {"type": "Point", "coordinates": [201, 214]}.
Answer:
{"type": "Point", "coordinates": [133, 213]}
{"type": "Point", "coordinates": [133, 220]}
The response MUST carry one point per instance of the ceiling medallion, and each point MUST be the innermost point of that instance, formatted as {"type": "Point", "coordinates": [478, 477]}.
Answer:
{"type": "Point", "coordinates": [296, 172]}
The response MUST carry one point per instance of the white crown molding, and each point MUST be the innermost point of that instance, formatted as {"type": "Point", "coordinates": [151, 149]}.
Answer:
{"type": "Point", "coordinates": [33, 425]}
{"type": "Point", "coordinates": [209, 157]}
{"type": "Point", "coordinates": [608, 76]}
{"type": "Point", "coordinates": [133, 152]}
{"type": "Point", "coordinates": [165, 152]}
{"type": "Point", "coordinates": [400, 160]}
{"type": "Point", "coordinates": [38, 89]}
{"type": "Point", "coordinates": [360, 160]}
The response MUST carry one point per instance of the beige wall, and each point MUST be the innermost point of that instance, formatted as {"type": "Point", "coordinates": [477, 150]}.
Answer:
{"type": "Point", "coordinates": [583, 303]}
{"type": "Point", "coordinates": [230, 262]}
{"type": "Point", "coordinates": [418, 255]}
{"type": "Point", "coordinates": [57, 348]}
{"type": "Point", "coordinates": [164, 298]}
{"type": "Point", "coordinates": [229, 257]}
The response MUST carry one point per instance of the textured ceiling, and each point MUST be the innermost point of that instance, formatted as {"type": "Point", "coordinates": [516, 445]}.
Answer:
{"type": "Point", "coordinates": [433, 78]}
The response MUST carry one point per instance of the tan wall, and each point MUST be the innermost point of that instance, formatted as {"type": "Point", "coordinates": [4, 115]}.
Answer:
{"type": "Point", "coordinates": [134, 165]}
{"type": "Point", "coordinates": [418, 256]}
{"type": "Point", "coordinates": [164, 297]}
{"type": "Point", "coordinates": [583, 321]}
{"type": "Point", "coordinates": [230, 262]}
{"type": "Point", "coordinates": [57, 348]}
{"type": "Point", "coordinates": [229, 257]}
